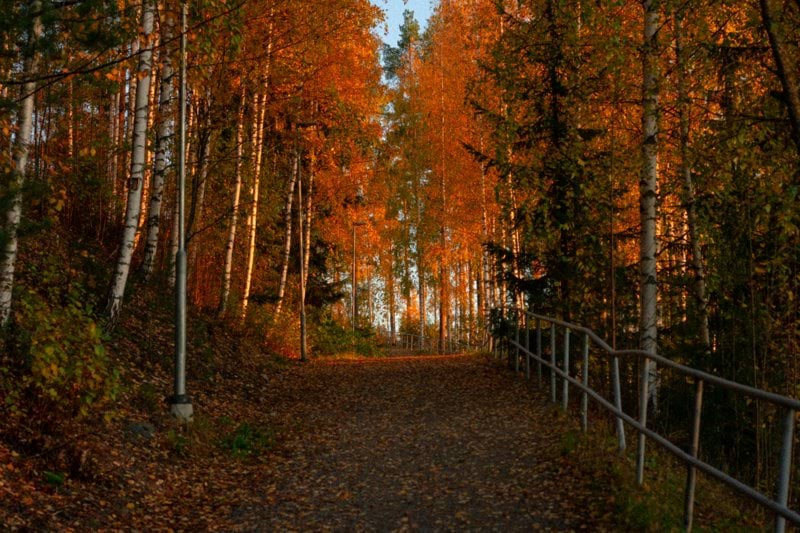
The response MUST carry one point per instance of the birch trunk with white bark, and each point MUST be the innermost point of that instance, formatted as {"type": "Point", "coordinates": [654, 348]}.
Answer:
{"type": "Point", "coordinates": [287, 239]}
{"type": "Point", "coordinates": [19, 161]}
{"type": "Point", "coordinates": [648, 285]}
{"type": "Point", "coordinates": [237, 192]}
{"type": "Point", "coordinates": [162, 152]}
{"type": "Point", "coordinates": [138, 155]}
{"type": "Point", "coordinates": [258, 132]}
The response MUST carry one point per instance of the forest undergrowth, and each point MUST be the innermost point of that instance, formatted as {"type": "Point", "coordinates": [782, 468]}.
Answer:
{"type": "Point", "coordinates": [263, 418]}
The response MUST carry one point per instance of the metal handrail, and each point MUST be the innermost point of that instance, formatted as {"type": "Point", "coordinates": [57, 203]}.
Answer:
{"type": "Point", "coordinates": [414, 341]}
{"type": "Point", "coordinates": [779, 505]}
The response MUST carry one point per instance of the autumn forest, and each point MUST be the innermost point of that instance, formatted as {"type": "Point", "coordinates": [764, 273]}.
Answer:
{"type": "Point", "coordinates": [631, 166]}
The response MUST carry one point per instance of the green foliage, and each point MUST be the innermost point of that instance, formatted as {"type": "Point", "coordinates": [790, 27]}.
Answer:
{"type": "Point", "coordinates": [54, 478]}
{"type": "Point", "coordinates": [56, 365]}
{"type": "Point", "coordinates": [331, 338]}
{"type": "Point", "coordinates": [657, 505]}
{"type": "Point", "coordinates": [248, 439]}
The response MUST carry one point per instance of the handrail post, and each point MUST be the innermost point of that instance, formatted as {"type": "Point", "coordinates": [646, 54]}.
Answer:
{"type": "Point", "coordinates": [585, 379]}
{"type": "Point", "coordinates": [539, 348]}
{"type": "Point", "coordinates": [785, 467]}
{"type": "Point", "coordinates": [553, 362]}
{"type": "Point", "coordinates": [565, 384]}
{"type": "Point", "coordinates": [527, 347]}
{"type": "Point", "coordinates": [618, 404]}
{"type": "Point", "coordinates": [691, 474]}
{"type": "Point", "coordinates": [643, 400]}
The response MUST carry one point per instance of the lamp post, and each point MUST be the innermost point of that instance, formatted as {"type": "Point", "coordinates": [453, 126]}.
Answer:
{"type": "Point", "coordinates": [355, 274]}
{"type": "Point", "coordinates": [180, 404]}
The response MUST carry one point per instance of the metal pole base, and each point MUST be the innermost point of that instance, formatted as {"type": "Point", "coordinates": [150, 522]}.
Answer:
{"type": "Point", "coordinates": [181, 408]}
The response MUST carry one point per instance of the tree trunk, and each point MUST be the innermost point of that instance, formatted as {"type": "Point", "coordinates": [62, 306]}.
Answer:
{"type": "Point", "coordinates": [287, 239]}
{"type": "Point", "coordinates": [163, 140]}
{"type": "Point", "coordinates": [201, 169]}
{"type": "Point", "coordinates": [309, 208]}
{"type": "Point", "coordinates": [257, 145]}
{"type": "Point", "coordinates": [149, 159]}
{"type": "Point", "coordinates": [787, 72]}
{"type": "Point", "coordinates": [420, 273]}
{"type": "Point", "coordinates": [300, 246]}
{"type": "Point", "coordinates": [127, 118]}
{"type": "Point", "coordinates": [20, 161]}
{"type": "Point", "coordinates": [647, 196]}
{"type": "Point", "coordinates": [390, 290]}
{"type": "Point", "coordinates": [137, 168]}
{"type": "Point", "coordinates": [688, 186]}
{"type": "Point", "coordinates": [237, 191]}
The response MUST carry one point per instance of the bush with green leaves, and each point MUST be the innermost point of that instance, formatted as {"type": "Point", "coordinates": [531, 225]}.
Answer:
{"type": "Point", "coordinates": [331, 338]}
{"type": "Point", "coordinates": [56, 367]}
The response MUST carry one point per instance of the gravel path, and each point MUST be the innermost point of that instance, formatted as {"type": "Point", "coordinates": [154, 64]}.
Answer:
{"type": "Point", "coordinates": [426, 443]}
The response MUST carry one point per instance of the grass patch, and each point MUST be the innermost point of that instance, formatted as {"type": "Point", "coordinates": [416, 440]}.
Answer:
{"type": "Point", "coordinates": [658, 505]}
{"type": "Point", "coordinates": [248, 439]}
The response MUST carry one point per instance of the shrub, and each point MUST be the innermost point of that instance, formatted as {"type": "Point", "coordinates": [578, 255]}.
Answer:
{"type": "Point", "coordinates": [331, 338]}
{"type": "Point", "coordinates": [55, 368]}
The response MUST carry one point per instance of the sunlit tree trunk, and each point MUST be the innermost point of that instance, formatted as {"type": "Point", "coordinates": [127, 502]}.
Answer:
{"type": "Point", "coordinates": [19, 161]}
{"type": "Point", "coordinates": [390, 297]}
{"type": "Point", "coordinates": [287, 238]}
{"type": "Point", "coordinates": [137, 168]}
{"type": "Point", "coordinates": [647, 195]}
{"type": "Point", "coordinates": [149, 158]}
{"type": "Point", "coordinates": [470, 302]}
{"type": "Point", "coordinates": [127, 117]}
{"type": "Point", "coordinates": [257, 151]}
{"type": "Point", "coordinates": [113, 121]}
{"type": "Point", "coordinates": [484, 276]}
{"type": "Point", "coordinates": [257, 146]}
{"type": "Point", "coordinates": [309, 209]}
{"type": "Point", "coordinates": [200, 173]}
{"type": "Point", "coordinates": [420, 270]}
{"type": "Point", "coordinates": [237, 191]}
{"type": "Point", "coordinates": [163, 140]}
{"type": "Point", "coordinates": [70, 120]}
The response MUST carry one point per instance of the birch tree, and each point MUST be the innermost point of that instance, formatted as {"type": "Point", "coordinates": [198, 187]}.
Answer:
{"type": "Point", "coordinates": [138, 157]}
{"type": "Point", "coordinates": [257, 145]}
{"type": "Point", "coordinates": [287, 239]}
{"type": "Point", "coordinates": [648, 286]}
{"type": "Point", "coordinates": [20, 149]}
{"type": "Point", "coordinates": [237, 192]}
{"type": "Point", "coordinates": [162, 152]}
